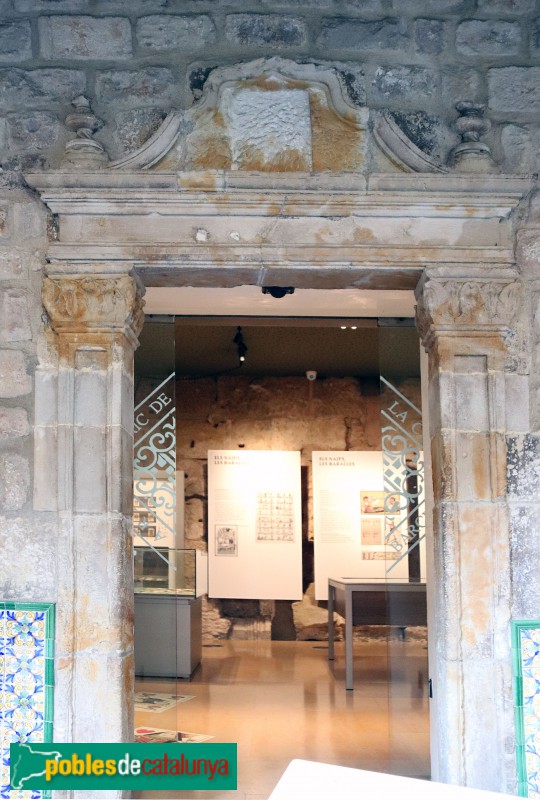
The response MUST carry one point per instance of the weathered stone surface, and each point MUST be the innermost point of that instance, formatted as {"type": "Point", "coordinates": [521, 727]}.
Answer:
{"type": "Point", "coordinates": [14, 316]}
{"type": "Point", "coordinates": [13, 423]}
{"type": "Point", "coordinates": [251, 629]}
{"type": "Point", "coordinates": [403, 82]}
{"type": "Point", "coordinates": [15, 42]}
{"type": "Point", "coordinates": [269, 131]}
{"type": "Point", "coordinates": [429, 36]}
{"type": "Point", "coordinates": [523, 465]}
{"type": "Point", "coordinates": [143, 87]}
{"type": "Point", "coordinates": [488, 37]}
{"type": "Point", "coordinates": [136, 126]}
{"type": "Point", "coordinates": [520, 147]}
{"type": "Point", "coordinates": [514, 89]}
{"type": "Point", "coordinates": [167, 32]}
{"type": "Point", "coordinates": [311, 621]}
{"type": "Point", "coordinates": [73, 6]}
{"type": "Point", "coordinates": [273, 31]}
{"type": "Point", "coordinates": [379, 7]}
{"type": "Point", "coordinates": [514, 7]}
{"type": "Point", "coordinates": [460, 83]}
{"type": "Point", "coordinates": [39, 87]}
{"type": "Point", "coordinates": [214, 626]}
{"type": "Point", "coordinates": [14, 380]}
{"type": "Point", "coordinates": [525, 554]}
{"type": "Point", "coordinates": [194, 517]}
{"type": "Point", "coordinates": [26, 542]}
{"type": "Point", "coordinates": [240, 608]}
{"type": "Point", "coordinates": [353, 34]}
{"type": "Point", "coordinates": [37, 131]}
{"type": "Point", "coordinates": [535, 37]}
{"type": "Point", "coordinates": [194, 398]}
{"type": "Point", "coordinates": [279, 4]}
{"type": "Point", "coordinates": [84, 37]}
{"type": "Point", "coordinates": [14, 481]}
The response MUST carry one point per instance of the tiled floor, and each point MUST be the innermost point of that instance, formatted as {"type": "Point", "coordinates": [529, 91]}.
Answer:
{"type": "Point", "coordinates": [283, 700]}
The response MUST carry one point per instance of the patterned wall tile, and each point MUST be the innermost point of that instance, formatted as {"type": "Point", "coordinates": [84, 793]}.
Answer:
{"type": "Point", "coordinates": [26, 682]}
{"type": "Point", "coordinates": [526, 656]}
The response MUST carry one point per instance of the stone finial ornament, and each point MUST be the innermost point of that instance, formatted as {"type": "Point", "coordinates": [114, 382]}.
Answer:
{"type": "Point", "coordinates": [84, 151]}
{"type": "Point", "coordinates": [471, 155]}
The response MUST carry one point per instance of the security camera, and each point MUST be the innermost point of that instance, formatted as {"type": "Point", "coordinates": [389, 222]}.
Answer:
{"type": "Point", "coordinates": [311, 375]}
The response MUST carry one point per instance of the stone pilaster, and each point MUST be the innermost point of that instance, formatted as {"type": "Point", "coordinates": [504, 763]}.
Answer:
{"type": "Point", "coordinates": [465, 325]}
{"type": "Point", "coordinates": [95, 319]}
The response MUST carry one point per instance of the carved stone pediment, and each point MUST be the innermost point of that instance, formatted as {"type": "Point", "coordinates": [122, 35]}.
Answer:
{"type": "Point", "coordinates": [273, 115]}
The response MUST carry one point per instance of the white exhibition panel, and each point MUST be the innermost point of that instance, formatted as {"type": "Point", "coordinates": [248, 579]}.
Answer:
{"type": "Point", "coordinates": [349, 541]}
{"type": "Point", "coordinates": [254, 525]}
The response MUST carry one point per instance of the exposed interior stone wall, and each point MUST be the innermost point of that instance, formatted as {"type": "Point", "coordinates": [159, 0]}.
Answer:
{"type": "Point", "coordinates": [277, 413]}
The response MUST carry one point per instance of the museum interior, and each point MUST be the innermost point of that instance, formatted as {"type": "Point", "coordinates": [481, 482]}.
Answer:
{"type": "Point", "coordinates": [276, 451]}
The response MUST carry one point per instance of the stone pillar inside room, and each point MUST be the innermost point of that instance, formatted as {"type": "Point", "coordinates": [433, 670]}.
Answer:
{"type": "Point", "coordinates": [84, 444]}
{"type": "Point", "coordinates": [464, 322]}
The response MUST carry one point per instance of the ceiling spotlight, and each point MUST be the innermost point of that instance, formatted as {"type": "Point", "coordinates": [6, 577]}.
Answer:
{"type": "Point", "coordinates": [354, 327]}
{"type": "Point", "coordinates": [241, 346]}
{"type": "Point", "coordinates": [343, 327]}
{"type": "Point", "coordinates": [278, 291]}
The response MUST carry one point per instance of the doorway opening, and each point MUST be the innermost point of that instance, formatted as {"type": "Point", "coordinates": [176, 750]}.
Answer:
{"type": "Point", "coordinates": [308, 385]}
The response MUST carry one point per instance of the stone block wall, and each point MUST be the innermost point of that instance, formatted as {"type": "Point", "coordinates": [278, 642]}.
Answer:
{"type": "Point", "coordinates": [137, 60]}
{"type": "Point", "coordinates": [287, 413]}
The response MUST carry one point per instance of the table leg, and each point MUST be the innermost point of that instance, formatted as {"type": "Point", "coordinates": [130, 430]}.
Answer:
{"type": "Point", "coordinates": [331, 591]}
{"type": "Point", "coordinates": [348, 640]}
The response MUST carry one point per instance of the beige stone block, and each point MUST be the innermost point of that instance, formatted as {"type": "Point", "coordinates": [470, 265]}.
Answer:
{"type": "Point", "coordinates": [195, 482]}
{"type": "Point", "coordinates": [90, 400]}
{"type": "Point", "coordinates": [471, 401]}
{"type": "Point", "coordinates": [45, 469]}
{"type": "Point", "coordinates": [14, 481]}
{"type": "Point", "coordinates": [477, 532]}
{"type": "Point", "coordinates": [194, 520]}
{"type": "Point", "coordinates": [14, 316]}
{"type": "Point", "coordinates": [473, 466]}
{"type": "Point", "coordinates": [195, 398]}
{"type": "Point", "coordinates": [14, 380]}
{"type": "Point", "coordinates": [13, 423]}
{"type": "Point", "coordinates": [26, 541]}
{"type": "Point", "coordinates": [90, 469]}
{"type": "Point", "coordinates": [517, 403]}
{"type": "Point", "coordinates": [46, 397]}
{"type": "Point", "coordinates": [11, 264]}
{"type": "Point", "coordinates": [442, 458]}
{"type": "Point", "coordinates": [528, 252]}
{"type": "Point", "coordinates": [195, 438]}
{"type": "Point", "coordinates": [214, 626]}
{"type": "Point", "coordinates": [104, 692]}
{"type": "Point", "coordinates": [307, 435]}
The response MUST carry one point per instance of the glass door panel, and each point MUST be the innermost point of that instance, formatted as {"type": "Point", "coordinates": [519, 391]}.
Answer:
{"type": "Point", "coordinates": [404, 548]}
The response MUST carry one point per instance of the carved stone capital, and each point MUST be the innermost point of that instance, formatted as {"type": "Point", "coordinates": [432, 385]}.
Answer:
{"type": "Point", "coordinates": [88, 303]}
{"type": "Point", "coordinates": [465, 305]}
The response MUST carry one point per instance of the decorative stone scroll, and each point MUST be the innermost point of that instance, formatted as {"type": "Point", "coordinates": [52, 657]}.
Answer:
{"type": "Point", "coordinates": [85, 303]}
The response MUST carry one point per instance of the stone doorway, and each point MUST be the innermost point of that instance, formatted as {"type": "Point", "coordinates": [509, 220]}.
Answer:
{"type": "Point", "coordinates": [206, 208]}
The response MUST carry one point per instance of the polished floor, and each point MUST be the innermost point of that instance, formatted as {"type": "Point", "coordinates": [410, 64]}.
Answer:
{"type": "Point", "coordinates": [285, 700]}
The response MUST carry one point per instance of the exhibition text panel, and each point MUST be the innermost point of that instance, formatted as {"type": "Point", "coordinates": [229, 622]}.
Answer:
{"type": "Point", "coordinates": [254, 524]}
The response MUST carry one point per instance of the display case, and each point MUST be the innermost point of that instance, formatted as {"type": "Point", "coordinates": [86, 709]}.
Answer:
{"type": "Point", "coordinates": [168, 614]}
{"type": "Point", "coordinates": [165, 571]}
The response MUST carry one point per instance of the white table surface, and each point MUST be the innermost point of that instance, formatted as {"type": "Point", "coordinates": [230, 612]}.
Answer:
{"type": "Point", "coordinates": [310, 780]}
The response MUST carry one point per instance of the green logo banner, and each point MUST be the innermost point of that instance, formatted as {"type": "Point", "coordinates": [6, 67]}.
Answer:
{"type": "Point", "coordinates": [124, 766]}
